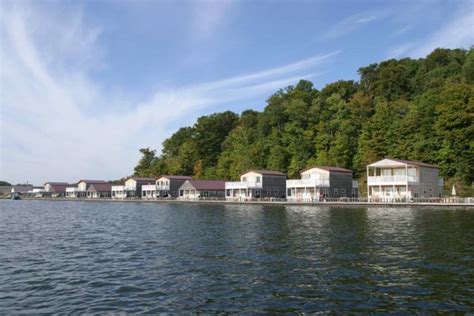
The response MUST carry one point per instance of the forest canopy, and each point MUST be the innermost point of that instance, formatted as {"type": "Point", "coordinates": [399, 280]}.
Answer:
{"type": "Point", "coordinates": [419, 109]}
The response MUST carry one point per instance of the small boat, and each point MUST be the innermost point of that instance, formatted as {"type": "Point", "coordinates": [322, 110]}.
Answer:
{"type": "Point", "coordinates": [15, 196]}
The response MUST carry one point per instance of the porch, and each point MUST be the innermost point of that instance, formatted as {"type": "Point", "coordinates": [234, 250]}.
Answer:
{"type": "Point", "coordinates": [306, 194]}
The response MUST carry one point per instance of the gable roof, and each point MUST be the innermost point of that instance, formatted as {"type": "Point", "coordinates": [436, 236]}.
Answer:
{"type": "Point", "coordinates": [387, 162]}
{"type": "Point", "coordinates": [100, 187]}
{"type": "Point", "coordinates": [267, 172]}
{"type": "Point", "coordinates": [176, 177]}
{"type": "Point", "coordinates": [330, 169]}
{"type": "Point", "coordinates": [212, 185]}
{"type": "Point", "coordinates": [56, 183]}
{"type": "Point", "coordinates": [416, 163]}
{"type": "Point", "coordinates": [59, 187]}
{"type": "Point", "coordinates": [91, 181]}
{"type": "Point", "coordinates": [22, 188]}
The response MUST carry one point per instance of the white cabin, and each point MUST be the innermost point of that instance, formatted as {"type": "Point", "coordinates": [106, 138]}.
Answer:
{"type": "Point", "coordinates": [403, 179]}
{"type": "Point", "coordinates": [321, 182]}
{"type": "Point", "coordinates": [256, 184]}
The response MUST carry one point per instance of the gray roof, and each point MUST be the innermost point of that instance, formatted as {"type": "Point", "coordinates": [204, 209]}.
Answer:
{"type": "Point", "coordinates": [267, 172]}
{"type": "Point", "coordinates": [92, 181]}
{"type": "Point", "coordinates": [211, 185]}
{"type": "Point", "coordinates": [330, 169]}
{"type": "Point", "coordinates": [100, 187]}
{"type": "Point", "coordinates": [22, 188]}
{"type": "Point", "coordinates": [416, 163]}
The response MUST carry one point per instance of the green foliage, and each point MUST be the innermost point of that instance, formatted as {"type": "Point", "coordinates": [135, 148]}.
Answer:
{"type": "Point", "coordinates": [144, 167]}
{"type": "Point", "coordinates": [4, 183]}
{"type": "Point", "coordinates": [411, 109]}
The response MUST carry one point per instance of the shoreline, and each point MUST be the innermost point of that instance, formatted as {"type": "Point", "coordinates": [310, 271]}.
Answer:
{"type": "Point", "coordinates": [332, 203]}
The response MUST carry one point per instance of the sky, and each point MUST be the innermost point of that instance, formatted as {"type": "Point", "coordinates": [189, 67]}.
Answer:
{"type": "Point", "coordinates": [85, 84]}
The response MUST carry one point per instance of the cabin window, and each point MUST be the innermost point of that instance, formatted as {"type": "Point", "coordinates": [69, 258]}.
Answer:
{"type": "Point", "coordinates": [343, 191]}
{"type": "Point", "coordinates": [275, 192]}
{"type": "Point", "coordinates": [205, 194]}
{"type": "Point", "coordinates": [336, 192]}
{"type": "Point", "coordinates": [228, 192]}
{"type": "Point", "coordinates": [258, 193]}
{"type": "Point", "coordinates": [244, 179]}
{"type": "Point", "coordinates": [269, 192]}
{"type": "Point", "coordinates": [353, 192]}
{"type": "Point", "coordinates": [181, 192]}
{"type": "Point", "coordinates": [398, 172]}
{"type": "Point", "coordinates": [288, 192]}
{"type": "Point", "coordinates": [386, 172]}
{"type": "Point", "coordinates": [258, 179]}
{"type": "Point", "coordinates": [175, 193]}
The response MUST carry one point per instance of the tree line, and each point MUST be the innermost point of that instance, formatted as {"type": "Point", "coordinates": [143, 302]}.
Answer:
{"type": "Point", "coordinates": [416, 109]}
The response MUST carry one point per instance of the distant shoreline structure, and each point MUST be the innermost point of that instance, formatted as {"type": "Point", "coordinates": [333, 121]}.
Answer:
{"type": "Point", "coordinates": [455, 203]}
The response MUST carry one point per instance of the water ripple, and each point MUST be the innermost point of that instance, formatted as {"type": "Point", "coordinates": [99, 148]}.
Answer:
{"type": "Point", "coordinates": [133, 258]}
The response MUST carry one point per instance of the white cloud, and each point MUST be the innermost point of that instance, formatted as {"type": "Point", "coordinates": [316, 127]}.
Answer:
{"type": "Point", "coordinates": [208, 16]}
{"type": "Point", "coordinates": [459, 32]}
{"type": "Point", "coordinates": [58, 124]}
{"type": "Point", "coordinates": [353, 23]}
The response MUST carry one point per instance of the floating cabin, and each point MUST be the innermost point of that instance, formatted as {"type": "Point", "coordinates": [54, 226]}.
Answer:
{"type": "Point", "coordinates": [202, 189]}
{"type": "Point", "coordinates": [55, 189]}
{"type": "Point", "coordinates": [320, 182]}
{"type": "Point", "coordinates": [80, 189]}
{"type": "Point", "coordinates": [397, 179]}
{"type": "Point", "coordinates": [165, 187]}
{"type": "Point", "coordinates": [18, 191]}
{"type": "Point", "coordinates": [132, 187]}
{"type": "Point", "coordinates": [256, 184]}
{"type": "Point", "coordinates": [99, 190]}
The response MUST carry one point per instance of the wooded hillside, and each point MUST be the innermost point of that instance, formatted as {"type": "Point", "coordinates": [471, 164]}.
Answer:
{"type": "Point", "coordinates": [410, 109]}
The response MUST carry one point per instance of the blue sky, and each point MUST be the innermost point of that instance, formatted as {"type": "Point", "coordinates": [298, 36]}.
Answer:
{"type": "Point", "coordinates": [84, 85]}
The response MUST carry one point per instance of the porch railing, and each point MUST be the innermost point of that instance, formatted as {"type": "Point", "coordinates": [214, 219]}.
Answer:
{"type": "Point", "coordinates": [307, 183]}
{"type": "Point", "coordinates": [243, 185]}
{"type": "Point", "coordinates": [391, 179]}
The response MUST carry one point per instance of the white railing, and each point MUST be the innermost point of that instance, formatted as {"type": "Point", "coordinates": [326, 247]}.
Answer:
{"type": "Point", "coordinates": [243, 185]}
{"type": "Point", "coordinates": [391, 179]}
{"type": "Point", "coordinates": [307, 183]}
{"type": "Point", "coordinates": [73, 189]}
{"type": "Point", "coordinates": [149, 187]}
{"type": "Point", "coordinates": [163, 187]}
{"type": "Point", "coordinates": [117, 188]}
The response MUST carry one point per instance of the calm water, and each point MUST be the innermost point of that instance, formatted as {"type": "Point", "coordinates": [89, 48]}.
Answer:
{"type": "Point", "coordinates": [88, 257]}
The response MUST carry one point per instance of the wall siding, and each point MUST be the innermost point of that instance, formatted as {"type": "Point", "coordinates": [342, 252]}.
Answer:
{"type": "Point", "coordinates": [339, 181]}
{"type": "Point", "coordinates": [274, 183]}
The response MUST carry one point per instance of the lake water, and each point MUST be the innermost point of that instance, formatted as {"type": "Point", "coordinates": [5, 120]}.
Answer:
{"type": "Point", "coordinates": [93, 257]}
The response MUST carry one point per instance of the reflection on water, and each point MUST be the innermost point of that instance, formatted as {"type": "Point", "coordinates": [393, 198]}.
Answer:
{"type": "Point", "coordinates": [139, 257]}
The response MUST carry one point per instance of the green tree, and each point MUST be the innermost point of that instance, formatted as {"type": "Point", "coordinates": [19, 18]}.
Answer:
{"type": "Point", "coordinates": [412, 109]}
{"type": "Point", "coordinates": [143, 169]}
